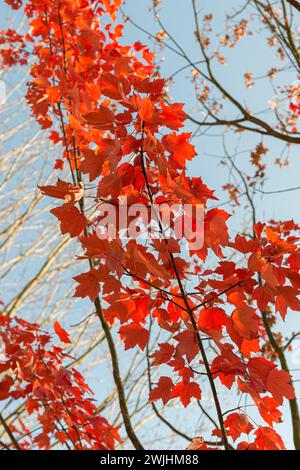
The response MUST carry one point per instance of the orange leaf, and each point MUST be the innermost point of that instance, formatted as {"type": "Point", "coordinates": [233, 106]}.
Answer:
{"type": "Point", "coordinates": [187, 345]}
{"type": "Point", "coordinates": [237, 424]}
{"type": "Point", "coordinates": [145, 109]}
{"type": "Point", "coordinates": [61, 333]}
{"type": "Point", "coordinates": [246, 322]}
{"type": "Point", "coordinates": [212, 319]}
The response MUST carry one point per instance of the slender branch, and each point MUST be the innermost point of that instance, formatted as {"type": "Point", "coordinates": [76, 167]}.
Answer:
{"type": "Point", "coordinates": [10, 433]}
{"type": "Point", "coordinates": [294, 4]}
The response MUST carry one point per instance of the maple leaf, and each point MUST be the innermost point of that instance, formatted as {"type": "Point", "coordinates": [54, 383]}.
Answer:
{"type": "Point", "coordinates": [186, 391]}
{"type": "Point", "coordinates": [103, 118]}
{"type": "Point", "coordinates": [42, 440]}
{"type": "Point", "coordinates": [187, 346]}
{"type": "Point", "coordinates": [237, 424]}
{"type": "Point", "coordinates": [170, 185]}
{"type": "Point", "coordinates": [134, 334]}
{"type": "Point", "coordinates": [163, 355]}
{"type": "Point", "coordinates": [279, 385]}
{"type": "Point", "coordinates": [113, 87]}
{"type": "Point", "coordinates": [268, 409]}
{"type": "Point", "coordinates": [15, 4]}
{"type": "Point", "coordinates": [145, 109]}
{"type": "Point", "coordinates": [92, 164]}
{"type": "Point", "coordinates": [246, 321]}
{"type": "Point", "coordinates": [88, 284]}
{"type": "Point", "coordinates": [287, 298]}
{"type": "Point", "coordinates": [173, 115]}
{"type": "Point", "coordinates": [263, 295]}
{"type": "Point", "coordinates": [5, 385]}
{"type": "Point", "coordinates": [268, 439]}
{"type": "Point", "coordinates": [61, 436]}
{"type": "Point", "coordinates": [196, 444]}
{"type": "Point", "coordinates": [212, 320]}
{"type": "Point", "coordinates": [216, 232]}
{"type": "Point", "coordinates": [148, 86]}
{"type": "Point", "coordinates": [71, 219]}
{"type": "Point", "coordinates": [63, 190]}
{"type": "Point", "coordinates": [162, 390]}
{"type": "Point", "coordinates": [180, 147]}
{"type": "Point", "coordinates": [59, 164]}
{"type": "Point", "coordinates": [61, 333]}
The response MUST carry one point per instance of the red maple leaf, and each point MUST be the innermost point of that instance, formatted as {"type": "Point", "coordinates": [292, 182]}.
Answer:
{"type": "Point", "coordinates": [134, 334]}
{"type": "Point", "coordinates": [61, 333]}
{"type": "Point", "coordinates": [279, 384]}
{"type": "Point", "coordinates": [186, 391]}
{"type": "Point", "coordinates": [71, 219]}
{"type": "Point", "coordinates": [162, 390]}
{"type": "Point", "coordinates": [187, 345]}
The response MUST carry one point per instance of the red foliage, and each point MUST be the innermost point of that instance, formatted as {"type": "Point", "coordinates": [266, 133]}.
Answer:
{"type": "Point", "coordinates": [111, 105]}
{"type": "Point", "coordinates": [33, 370]}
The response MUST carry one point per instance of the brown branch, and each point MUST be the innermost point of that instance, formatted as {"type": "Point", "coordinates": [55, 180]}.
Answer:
{"type": "Point", "coordinates": [10, 433]}
{"type": "Point", "coordinates": [294, 3]}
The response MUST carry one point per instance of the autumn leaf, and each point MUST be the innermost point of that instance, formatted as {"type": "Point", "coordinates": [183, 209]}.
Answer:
{"type": "Point", "coordinates": [287, 298]}
{"type": "Point", "coordinates": [145, 109]}
{"type": "Point", "coordinates": [268, 439]}
{"type": "Point", "coordinates": [246, 321]}
{"type": "Point", "coordinates": [186, 391]}
{"type": "Point", "coordinates": [173, 115]}
{"type": "Point", "coordinates": [71, 219]}
{"type": "Point", "coordinates": [162, 390]}
{"type": "Point", "coordinates": [279, 385]}
{"type": "Point", "coordinates": [187, 345]}
{"type": "Point", "coordinates": [268, 409]}
{"type": "Point", "coordinates": [237, 424]}
{"type": "Point", "coordinates": [133, 335]}
{"type": "Point", "coordinates": [212, 320]}
{"type": "Point", "coordinates": [91, 164]}
{"type": "Point", "coordinates": [5, 385]}
{"type": "Point", "coordinates": [61, 333]}
{"type": "Point", "coordinates": [163, 354]}
{"type": "Point", "coordinates": [113, 87]}
{"type": "Point", "coordinates": [263, 295]}
{"type": "Point", "coordinates": [196, 444]}
{"type": "Point", "coordinates": [63, 190]}
{"type": "Point", "coordinates": [103, 118]}
{"type": "Point", "coordinates": [88, 284]}
{"type": "Point", "coordinates": [180, 147]}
